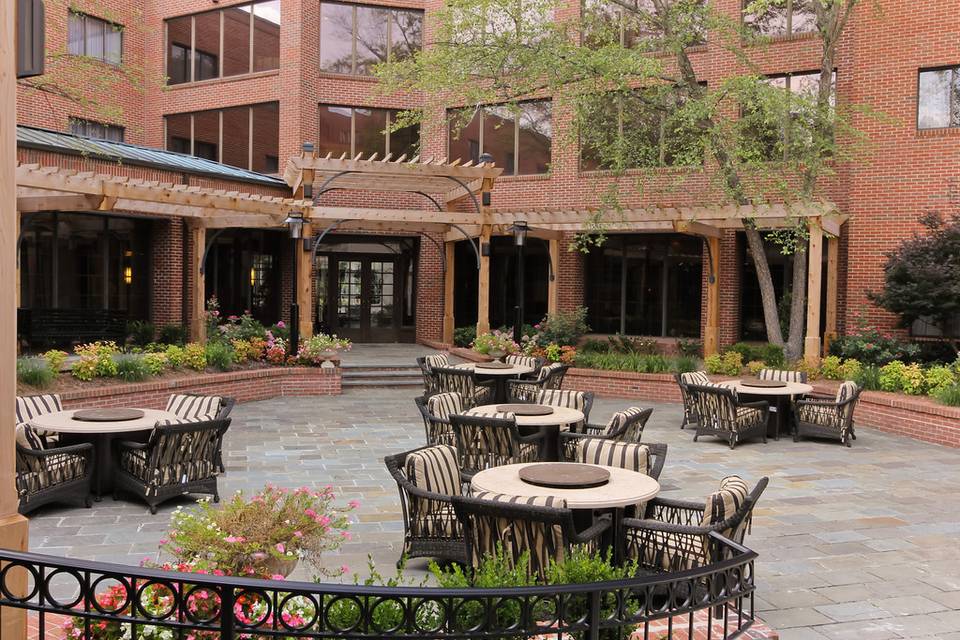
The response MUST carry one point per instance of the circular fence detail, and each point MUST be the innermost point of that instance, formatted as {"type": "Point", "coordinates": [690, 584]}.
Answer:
{"type": "Point", "coordinates": [387, 615]}
{"type": "Point", "coordinates": [429, 616]}
{"type": "Point", "coordinates": [253, 608]}
{"type": "Point", "coordinates": [203, 604]}
{"type": "Point", "coordinates": [158, 600]}
{"type": "Point", "coordinates": [110, 594]}
{"type": "Point", "coordinates": [297, 612]}
{"type": "Point", "coordinates": [63, 581]}
{"type": "Point", "coordinates": [343, 613]}
{"type": "Point", "coordinates": [18, 573]}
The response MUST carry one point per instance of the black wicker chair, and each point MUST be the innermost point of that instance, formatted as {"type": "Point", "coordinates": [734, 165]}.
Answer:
{"type": "Point", "coordinates": [828, 418]}
{"type": "Point", "coordinates": [533, 362]}
{"type": "Point", "coordinates": [684, 380]}
{"type": "Point", "coordinates": [427, 364]}
{"type": "Point", "coordinates": [550, 377]}
{"type": "Point", "coordinates": [541, 526]}
{"type": "Point", "coordinates": [30, 407]}
{"type": "Point", "coordinates": [465, 382]}
{"type": "Point", "coordinates": [436, 411]}
{"type": "Point", "coordinates": [177, 459]}
{"type": "Point", "coordinates": [723, 415]}
{"type": "Point", "coordinates": [428, 479]}
{"type": "Point", "coordinates": [623, 426]}
{"type": "Point", "coordinates": [582, 401]}
{"type": "Point", "coordinates": [492, 441]}
{"type": "Point", "coordinates": [62, 474]}
{"type": "Point", "coordinates": [199, 408]}
{"type": "Point", "coordinates": [678, 535]}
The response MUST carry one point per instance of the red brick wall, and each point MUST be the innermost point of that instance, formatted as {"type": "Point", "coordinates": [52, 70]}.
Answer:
{"type": "Point", "coordinates": [166, 272]}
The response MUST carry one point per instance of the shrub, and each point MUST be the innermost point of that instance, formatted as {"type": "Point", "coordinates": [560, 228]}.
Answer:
{"type": "Point", "coordinates": [772, 354]}
{"type": "Point", "coordinates": [156, 363]}
{"type": "Point", "coordinates": [850, 369]}
{"type": "Point", "coordinates": [195, 356]}
{"type": "Point", "coordinates": [174, 334]}
{"type": "Point", "coordinates": [132, 368]}
{"type": "Point", "coordinates": [754, 367]}
{"type": "Point", "coordinates": [595, 345]}
{"type": "Point", "coordinates": [868, 378]}
{"type": "Point", "coordinates": [691, 348]}
{"type": "Point", "coordinates": [831, 368]}
{"type": "Point", "coordinates": [811, 369]}
{"type": "Point", "coordinates": [897, 376]}
{"type": "Point", "coordinates": [713, 363]}
{"type": "Point", "coordinates": [240, 328]}
{"type": "Point", "coordinates": [84, 369]}
{"type": "Point", "coordinates": [316, 349]}
{"type": "Point", "coordinates": [949, 396]}
{"type": "Point", "coordinates": [175, 356]}
{"type": "Point", "coordinates": [747, 351]}
{"type": "Point", "coordinates": [728, 364]}
{"type": "Point", "coordinates": [97, 358]}
{"type": "Point", "coordinates": [494, 342]}
{"type": "Point", "coordinates": [564, 327]}
{"type": "Point", "coordinates": [140, 332]}
{"type": "Point", "coordinates": [55, 358]}
{"type": "Point", "coordinates": [279, 330]}
{"type": "Point", "coordinates": [685, 363]}
{"type": "Point", "coordinates": [257, 348]}
{"type": "Point", "coordinates": [938, 378]}
{"type": "Point", "coordinates": [870, 346]}
{"type": "Point", "coordinates": [464, 336]}
{"type": "Point", "coordinates": [35, 372]}
{"type": "Point", "coordinates": [628, 344]}
{"type": "Point", "coordinates": [219, 355]}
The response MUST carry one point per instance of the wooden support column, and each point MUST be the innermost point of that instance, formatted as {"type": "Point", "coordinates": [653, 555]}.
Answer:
{"type": "Point", "coordinates": [811, 346]}
{"type": "Point", "coordinates": [711, 333]}
{"type": "Point", "coordinates": [483, 287]}
{"type": "Point", "coordinates": [305, 284]}
{"type": "Point", "coordinates": [553, 294]}
{"type": "Point", "coordinates": [198, 242]}
{"type": "Point", "coordinates": [833, 262]}
{"type": "Point", "coordinates": [13, 527]}
{"type": "Point", "coordinates": [449, 252]}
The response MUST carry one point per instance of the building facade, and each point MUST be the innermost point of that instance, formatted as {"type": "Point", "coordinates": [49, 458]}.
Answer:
{"type": "Point", "coordinates": [246, 84]}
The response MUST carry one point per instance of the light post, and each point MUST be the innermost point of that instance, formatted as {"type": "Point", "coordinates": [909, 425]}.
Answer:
{"type": "Point", "coordinates": [519, 229]}
{"type": "Point", "coordinates": [294, 223]}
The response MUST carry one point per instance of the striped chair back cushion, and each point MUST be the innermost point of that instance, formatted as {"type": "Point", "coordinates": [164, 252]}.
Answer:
{"type": "Point", "coordinates": [27, 437]}
{"type": "Point", "coordinates": [695, 377]}
{"type": "Point", "coordinates": [435, 469]}
{"type": "Point", "coordinates": [192, 407]}
{"type": "Point", "coordinates": [546, 370]}
{"type": "Point", "coordinates": [32, 406]}
{"type": "Point", "coordinates": [620, 418]}
{"type": "Point", "coordinates": [716, 410]}
{"type": "Point", "coordinates": [846, 391]}
{"type": "Point", "coordinates": [725, 501]}
{"type": "Point", "coordinates": [625, 455]}
{"type": "Point", "coordinates": [544, 542]}
{"type": "Point", "coordinates": [482, 446]}
{"type": "Point", "coordinates": [783, 375]}
{"type": "Point", "coordinates": [437, 360]}
{"type": "Point", "coordinates": [442, 405]}
{"type": "Point", "coordinates": [562, 398]}
{"type": "Point", "coordinates": [522, 361]}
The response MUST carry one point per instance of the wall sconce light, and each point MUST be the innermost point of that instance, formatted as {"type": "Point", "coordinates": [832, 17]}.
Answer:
{"type": "Point", "coordinates": [128, 275]}
{"type": "Point", "coordinates": [253, 276]}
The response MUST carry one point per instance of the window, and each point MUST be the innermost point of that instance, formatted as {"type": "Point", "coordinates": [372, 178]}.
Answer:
{"type": "Point", "coordinates": [783, 18]}
{"type": "Point", "coordinates": [645, 285]}
{"type": "Point", "coordinates": [608, 21]}
{"type": "Point", "coordinates": [224, 135]}
{"type": "Point", "coordinates": [227, 42]}
{"type": "Point", "coordinates": [354, 38]}
{"type": "Point", "coordinates": [519, 137]}
{"type": "Point", "coordinates": [94, 38]}
{"type": "Point", "coordinates": [363, 130]}
{"type": "Point", "coordinates": [638, 129]}
{"type": "Point", "coordinates": [938, 104]}
{"type": "Point", "coordinates": [97, 130]}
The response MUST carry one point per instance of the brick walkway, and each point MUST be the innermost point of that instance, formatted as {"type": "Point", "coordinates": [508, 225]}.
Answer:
{"type": "Point", "coordinates": [854, 543]}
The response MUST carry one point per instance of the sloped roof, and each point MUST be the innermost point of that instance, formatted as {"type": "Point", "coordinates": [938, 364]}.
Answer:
{"type": "Point", "coordinates": [47, 140]}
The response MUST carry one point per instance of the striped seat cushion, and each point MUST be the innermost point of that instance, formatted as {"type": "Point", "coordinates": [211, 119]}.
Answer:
{"type": "Point", "coordinates": [533, 501]}
{"type": "Point", "coordinates": [620, 418]}
{"type": "Point", "coordinates": [443, 405]}
{"type": "Point", "coordinates": [748, 417]}
{"type": "Point", "coordinates": [187, 406]}
{"type": "Point", "coordinates": [695, 377]}
{"type": "Point", "coordinates": [135, 463]}
{"type": "Point", "coordinates": [625, 455]}
{"type": "Point", "coordinates": [725, 501]}
{"type": "Point", "coordinates": [491, 413]}
{"type": "Point", "coordinates": [544, 543]}
{"type": "Point", "coordinates": [435, 469]}
{"type": "Point", "coordinates": [437, 360]}
{"type": "Point", "coordinates": [54, 470]}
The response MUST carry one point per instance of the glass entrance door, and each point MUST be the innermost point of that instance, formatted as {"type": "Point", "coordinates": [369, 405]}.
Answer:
{"type": "Point", "coordinates": [365, 299]}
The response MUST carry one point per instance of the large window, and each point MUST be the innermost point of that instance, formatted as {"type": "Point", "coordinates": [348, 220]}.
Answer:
{"type": "Point", "coordinates": [645, 285]}
{"type": "Point", "coordinates": [783, 18]}
{"type": "Point", "coordinates": [226, 42]}
{"type": "Point", "coordinates": [97, 130]}
{"type": "Point", "coordinates": [354, 38]}
{"type": "Point", "coordinates": [518, 137]}
{"type": "Point", "coordinates": [364, 130]}
{"type": "Point", "coordinates": [246, 137]}
{"type": "Point", "coordinates": [939, 98]}
{"type": "Point", "coordinates": [608, 21]}
{"type": "Point", "coordinates": [94, 38]}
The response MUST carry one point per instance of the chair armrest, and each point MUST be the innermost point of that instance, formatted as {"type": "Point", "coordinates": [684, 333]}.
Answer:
{"type": "Point", "coordinates": [598, 428]}
{"type": "Point", "coordinates": [818, 402]}
{"type": "Point", "coordinates": [680, 512]}
{"type": "Point", "coordinates": [665, 527]}
{"type": "Point", "coordinates": [74, 449]}
{"type": "Point", "coordinates": [129, 444]}
{"type": "Point", "coordinates": [759, 404]}
{"type": "Point", "coordinates": [534, 437]}
{"type": "Point", "coordinates": [603, 523]}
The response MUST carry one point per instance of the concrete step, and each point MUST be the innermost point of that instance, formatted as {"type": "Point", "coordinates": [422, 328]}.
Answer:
{"type": "Point", "coordinates": [381, 373]}
{"type": "Point", "coordinates": [381, 382]}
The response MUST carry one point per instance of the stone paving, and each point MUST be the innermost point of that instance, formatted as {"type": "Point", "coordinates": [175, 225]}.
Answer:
{"type": "Point", "coordinates": [854, 543]}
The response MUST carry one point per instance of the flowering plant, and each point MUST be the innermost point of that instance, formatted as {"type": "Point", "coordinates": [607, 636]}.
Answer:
{"type": "Point", "coordinates": [211, 316]}
{"type": "Point", "coordinates": [96, 360]}
{"type": "Point", "coordinates": [315, 349]}
{"type": "Point", "coordinates": [276, 350]}
{"type": "Point", "coordinates": [493, 342]}
{"type": "Point", "coordinates": [276, 526]}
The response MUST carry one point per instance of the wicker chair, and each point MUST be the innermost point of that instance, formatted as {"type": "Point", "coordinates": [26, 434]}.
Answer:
{"type": "Point", "coordinates": [723, 415]}
{"type": "Point", "coordinates": [492, 441]}
{"type": "Point", "coordinates": [464, 382]}
{"type": "Point", "coordinates": [582, 401]}
{"type": "Point", "coordinates": [427, 364]}
{"type": "Point", "coordinates": [642, 458]}
{"type": "Point", "coordinates": [30, 407]}
{"type": "Point", "coordinates": [533, 362]}
{"type": "Point", "coordinates": [541, 526]}
{"type": "Point", "coordinates": [679, 535]}
{"type": "Point", "coordinates": [623, 426]}
{"type": "Point", "coordinates": [828, 418]}
{"type": "Point", "coordinates": [549, 377]}
{"type": "Point", "coordinates": [783, 375]}
{"type": "Point", "coordinates": [177, 459]}
{"type": "Point", "coordinates": [45, 475]}
{"type": "Point", "coordinates": [436, 411]}
{"type": "Point", "coordinates": [428, 478]}
{"type": "Point", "coordinates": [684, 380]}
{"type": "Point", "coordinates": [196, 408]}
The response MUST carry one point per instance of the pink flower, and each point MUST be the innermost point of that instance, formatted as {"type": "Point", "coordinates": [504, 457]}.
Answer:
{"type": "Point", "coordinates": [277, 576]}
{"type": "Point", "coordinates": [345, 569]}
{"type": "Point", "coordinates": [353, 504]}
{"type": "Point", "coordinates": [281, 548]}
{"type": "Point", "coordinates": [232, 539]}
{"type": "Point", "coordinates": [297, 534]}
{"type": "Point", "coordinates": [346, 535]}
{"type": "Point", "coordinates": [281, 325]}
{"type": "Point", "coordinates": [310, 512]}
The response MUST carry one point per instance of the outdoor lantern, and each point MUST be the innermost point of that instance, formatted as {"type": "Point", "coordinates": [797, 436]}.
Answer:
{"type": "Point", "coordinates": [128, 275]}
{"type": "Point", "coordinates": [520, 229]}
{"type": "Point", "coordinates": [253, 276]}
{"type": "Point", "coordinates": [294, 222]}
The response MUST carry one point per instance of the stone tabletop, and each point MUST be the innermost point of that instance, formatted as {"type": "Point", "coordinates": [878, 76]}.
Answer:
{"type": "Point", "coordinates": [560, 416]}
{"type": "Point", "coordinates": [515, 370]}
{"type": "Point", "coordinates": [63, 422]}
{"type": "Point", "coordinates": [791, 389]}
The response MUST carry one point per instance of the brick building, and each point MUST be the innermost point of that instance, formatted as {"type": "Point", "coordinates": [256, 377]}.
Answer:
{"type": "Point", "coordinates": [247, 84]}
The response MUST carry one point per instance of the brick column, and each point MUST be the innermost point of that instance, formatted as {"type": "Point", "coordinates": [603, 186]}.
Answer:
{"type": "Point", "coordinates": [569, 271]}
{"type": "Point", "coordinates": [167, 286]}
{"type": "Point", "coordinates": [430, 308]}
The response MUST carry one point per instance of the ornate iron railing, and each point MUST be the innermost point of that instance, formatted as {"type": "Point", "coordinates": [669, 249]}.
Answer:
{"type": "Point", "coordinates": [145, 601]}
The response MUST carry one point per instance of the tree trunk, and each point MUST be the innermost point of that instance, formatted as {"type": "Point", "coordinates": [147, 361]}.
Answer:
{"type": "Point", "coordinates": [798, 305]}
{"type": "Point", "coordinates": [768, 294]}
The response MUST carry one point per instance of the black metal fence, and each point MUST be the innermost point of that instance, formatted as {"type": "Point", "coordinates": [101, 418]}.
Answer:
{"type": "Point", "coordinates": [100, 599]}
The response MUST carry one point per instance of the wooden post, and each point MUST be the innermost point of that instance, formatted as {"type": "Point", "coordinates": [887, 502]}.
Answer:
{"type": "Point", "coordinates": [305, 285]}
{"type": "Point", "coordinates": [833, 261]}
{"type": "Point", "coordinates": [553, 297]}
{"type": "Point", "coordinates": [711, 333]}
{"type": "Point", "coordinates": [449, 252]}
{"type": "Point", "coordinates": [14, 528]}
{"type": "Point", "coordinates": [198, 243]}
{"type": "Point", "coordinates": [483, 287]}
{"type": "Point", "coordinates": [811, 346]}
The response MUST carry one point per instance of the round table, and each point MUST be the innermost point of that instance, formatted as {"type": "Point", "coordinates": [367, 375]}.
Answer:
{"type": "Point", "coordinates": [500, 376]}
{"type": "Point", "coordinates": [778, 397]}
{"type": "Point", "coordinates": [550, 423]}
{"type": "Point", "coordinates": [101, 434]}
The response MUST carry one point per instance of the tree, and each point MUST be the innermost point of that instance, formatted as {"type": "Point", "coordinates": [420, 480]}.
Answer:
{"type": "Point", "coordinates": [599, 70]}
{"type": "Point", "coordinates": [922, 276]}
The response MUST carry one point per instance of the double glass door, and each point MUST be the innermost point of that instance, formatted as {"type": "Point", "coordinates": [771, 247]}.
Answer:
{"type": "Point", "coordinates": [364, 302]}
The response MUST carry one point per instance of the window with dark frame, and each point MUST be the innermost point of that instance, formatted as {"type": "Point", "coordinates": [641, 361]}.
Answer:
{"type": "Point", "coordinates": [364, 130]}
{"type": "Point", "coordinates": [520, 137]}
{"type": "Point", "coordinates": [94, 38]}
{"type": "Point", "coordinates": [782, 18]}
{"type": "Point", "coordinates": [96, 130]}
{"type": "Point", "coordinates": [223, 135]}
{"type": "Point", "coordinates": [938, 98]}
{"type": "Point", "coordinates": [634, 28]}
{"type": "Point", "coordinates": [354, 38]}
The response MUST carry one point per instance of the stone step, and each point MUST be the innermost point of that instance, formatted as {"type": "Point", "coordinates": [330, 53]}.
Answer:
{"type": "Point", "coordinates": [381, 373]}
{"type": "Point", "coordinates": [381, 382]}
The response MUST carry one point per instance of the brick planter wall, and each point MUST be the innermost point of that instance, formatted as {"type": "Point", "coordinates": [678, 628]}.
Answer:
{"type": "Point", "coordinates": [245, 386]}
{"type": "Point", "coordinates": [913, 416]}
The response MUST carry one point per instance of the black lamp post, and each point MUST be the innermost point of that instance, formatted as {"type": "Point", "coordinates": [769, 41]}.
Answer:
{"type": "Point", "coordinates": [294, 223]}
{"type": "Point", "coordinates": [519, 229]}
